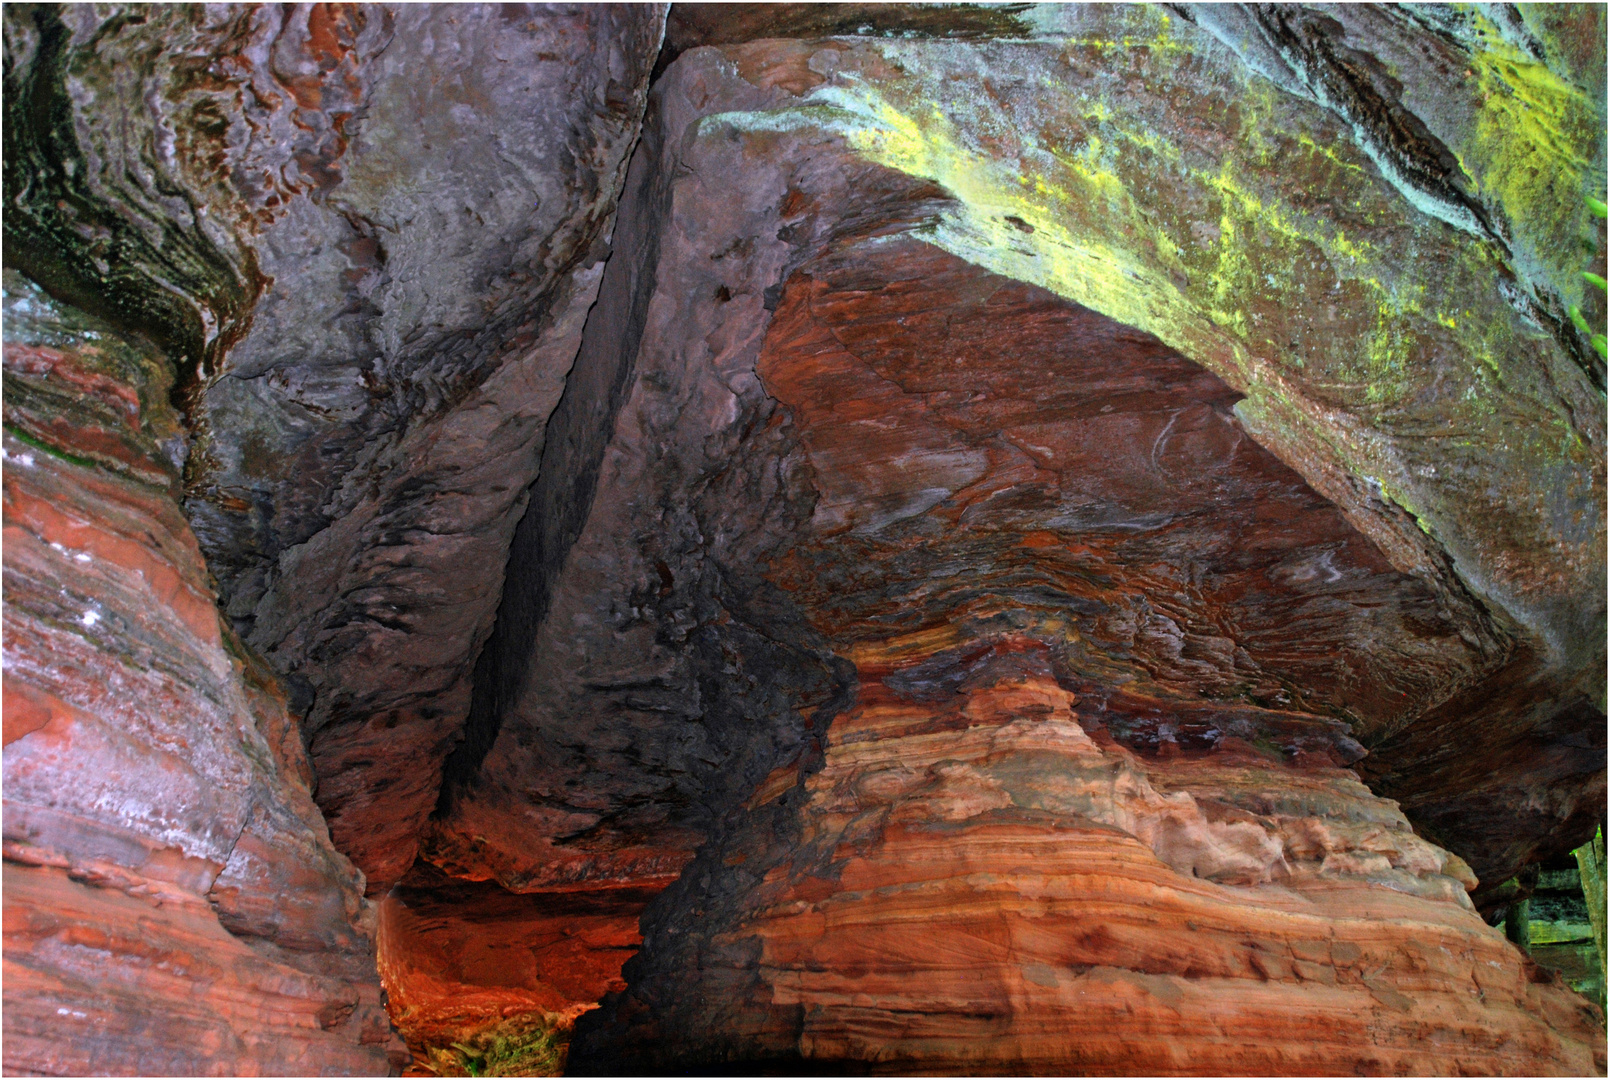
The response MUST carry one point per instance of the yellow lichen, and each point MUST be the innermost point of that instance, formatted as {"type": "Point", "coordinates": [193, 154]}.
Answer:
{"type": "Point", "coordinates": [1531, 154]}
{"type": "Point", "coordinates": [1279, 264]}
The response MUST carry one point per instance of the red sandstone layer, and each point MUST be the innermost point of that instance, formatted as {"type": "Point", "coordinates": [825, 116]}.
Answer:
{"type": "Point", "coordinates": [458, 956]}
{"type": "Point", "coordinates": [173, 903]}
{"type": "Point", "coordinates": [988, 886]}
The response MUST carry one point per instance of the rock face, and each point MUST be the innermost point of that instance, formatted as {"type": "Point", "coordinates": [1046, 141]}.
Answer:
{"type": "Point", "coordinates": [173, 901]}
{"type": "Point", "coordinates": [364, 464]}
{"type": "Point", "coordinates": [356, 246]}
{"type": "Point", "coordinates": [840, 430]}
{"type": "Point", "coordinates": [396, 219]}
{"type": "Point", "coordinates": [458, 957]}
{"type": "Point", "coordinates": [778, 136]}
{"type": "Point", "coordinates": [983, 885]}
{"type": "Point", "coordinates": [1059, 539]}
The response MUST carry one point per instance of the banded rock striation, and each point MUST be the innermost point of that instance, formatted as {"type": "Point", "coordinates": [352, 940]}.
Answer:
{"type": "Point", "coordinates": [1021, 514]}
{"type": "Point", "coordinates": [766, 155]}
{"type": "Point", "coordinates": [848, 435]}
{"type": "Point", "coordinates": [985, 885]}
{"type": "Point", "coordinates": [173, 900]}
{"type": "Point", "coordinates": [378, 234]}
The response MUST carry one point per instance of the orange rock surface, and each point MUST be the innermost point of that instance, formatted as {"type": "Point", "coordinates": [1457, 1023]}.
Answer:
{"type": "Point", "coordinates": [860, 538]}
{"type": "Point", "coordinates": [1089, 802]}
{"type": "Point", "coordinates": [988, 886]}
{"type": "Point", "coordinates": [173, 903]}
{"type": "Point", "coordinates": [102, 981]}
{"type": "Point", "coordinates": [456, 956]}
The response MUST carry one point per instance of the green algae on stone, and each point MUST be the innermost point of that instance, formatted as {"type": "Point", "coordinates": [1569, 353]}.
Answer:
{"type": "Point", "coordinates": [95, 239]}
{"type": "Point", "coordinates": [43, 410]}
{"type": "Point", "coordinates": [1243, 228]}
{"type": "Point", "coordinates": [1537, 147]}
{"type": "Point", "coordinates": [526, 1044]}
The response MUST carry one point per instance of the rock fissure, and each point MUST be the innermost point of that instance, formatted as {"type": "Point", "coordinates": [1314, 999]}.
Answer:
{"type": "Point", "coordinates": [851, 538]}
{"type": "Point", "coordinates": [572, 456]}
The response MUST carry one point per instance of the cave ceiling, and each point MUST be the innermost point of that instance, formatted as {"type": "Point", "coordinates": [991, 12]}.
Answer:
{"type": "Point", "coordinates": [590, 417]}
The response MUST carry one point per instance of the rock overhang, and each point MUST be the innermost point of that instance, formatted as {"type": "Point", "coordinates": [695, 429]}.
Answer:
{"type": "Point", "coordinates": [748, 150]}
{"type": "Point", "coordinates": [1158, 353]}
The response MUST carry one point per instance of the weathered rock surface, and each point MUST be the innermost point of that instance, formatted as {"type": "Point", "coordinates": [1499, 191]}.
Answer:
{"type": "Point", "coordinates": [961, 538]}
{"type": "Point", "coordinates": [610, 757]}
{"type": "Point", "coordinates": [398, 217]}
{"type": "Point", "coordinates": [457, 957]}
{"type": "Point", "coordinates": [984, 885]}
{"type": "Point", "coordinates": [846, 450]}
{"type": "Point", "coordinates": [173, 903]}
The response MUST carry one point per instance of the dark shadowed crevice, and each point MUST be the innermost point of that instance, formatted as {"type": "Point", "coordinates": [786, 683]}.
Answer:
{"type": "Point", "coordinates": [572, 455]}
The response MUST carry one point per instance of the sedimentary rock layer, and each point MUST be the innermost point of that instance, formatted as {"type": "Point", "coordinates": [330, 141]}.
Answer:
{"type": "Point", "coordinates": [841, 431]}
{"type": "Point", "coordinates": [988, 503]}
{"type": "Point", "coordinates": [993, 884]}
{"type": "Point", "coordinates": [173, 900]}
{"type": "Point", "coordinates": [457, 957]}
{"type": "Point", "coordinates": [986, 459]}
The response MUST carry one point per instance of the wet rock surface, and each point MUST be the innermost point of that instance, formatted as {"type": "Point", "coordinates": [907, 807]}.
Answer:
{"type": "Point", "coordinates": [963, 518]}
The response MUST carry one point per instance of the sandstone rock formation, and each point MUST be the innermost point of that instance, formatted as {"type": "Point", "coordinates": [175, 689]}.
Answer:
{"type": "Point", "coordinates": [394, 220]}
{"type": "Point", "coordinates": [1034, 538]}
{"type": "Point", "coordinates": [242, 194]}
{"type": "Point", "coordinates": [173, 902]}
{"type": "Point", "coordinates": [985, 886]}
{"type": "Point", "coordinates": [460, 957]}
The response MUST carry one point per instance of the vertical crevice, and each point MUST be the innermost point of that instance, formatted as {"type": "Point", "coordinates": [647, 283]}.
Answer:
{"type": "Point", "coordinates": [573, 452]}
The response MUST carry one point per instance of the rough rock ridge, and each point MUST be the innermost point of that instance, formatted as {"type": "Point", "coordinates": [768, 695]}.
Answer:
{"type": "Point", "coordinates": [392, 224]}
{"type": "Point", "coordinates": [985, 886]}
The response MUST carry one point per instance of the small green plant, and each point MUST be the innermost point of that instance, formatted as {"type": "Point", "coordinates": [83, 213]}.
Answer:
{"type": "Point", "coordinates": [530, 1044]}
{"type": "Point", "coordinates": [1578, 320]}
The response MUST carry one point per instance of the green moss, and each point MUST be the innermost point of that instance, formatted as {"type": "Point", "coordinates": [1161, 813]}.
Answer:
{"type": "Point", "coordinates": [39, 444]}
{"type": "Point", "coordinates": [1100, 242]}
{"type": "Point", "coordinates": [1329, 153]}
{"type": "Point", "coordinates": [530, 1044]}
{"type": "Point", "coordinates": [1393, 497]}
{"type": "Point", "coordinates": [147, 276]}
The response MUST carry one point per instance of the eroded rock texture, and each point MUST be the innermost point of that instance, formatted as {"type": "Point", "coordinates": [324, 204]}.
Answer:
{"type": "Point", "coordinates": [985, 885]}
{"type": "Point", "coordinates": [173, 903]}
{"type": "Point", "coordinates": [1035, 538]}
{"type": "Point", "coordinates": [394, 221]}
{"type": "Point", "coordinates": [460, 957]}
{"type": "Point", "coordinates": [355, 245]}
{"type": "Point", "coordinates": [847, 452]}
{"type": "Point", "coordinates": [778, 136]}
